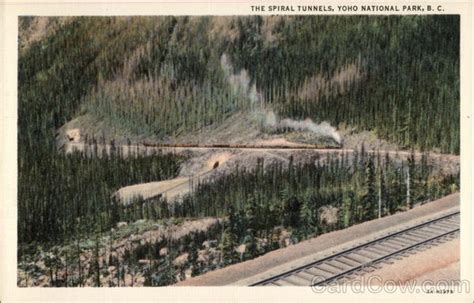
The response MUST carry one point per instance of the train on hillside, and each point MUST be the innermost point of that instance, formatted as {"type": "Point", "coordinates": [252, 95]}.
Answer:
{"type": "Point", "coordinates": [243, 146]}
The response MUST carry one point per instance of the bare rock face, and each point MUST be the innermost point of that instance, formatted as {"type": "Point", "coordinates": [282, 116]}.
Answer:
{"type": "Point", "coordinates": [241, 248]}
{"type": "Point", "coordinates": [121, 224]}
{"type": "Point", "coordinates": [329, 214]}
{"type": "Point", "coordinates": [181, 259]}
{"type": "Point", "coordinates": [163, 251]}
{"type": "Point", "coordinates": [73, 135]}
{"type": "Point", "coordinates": [144, 262]}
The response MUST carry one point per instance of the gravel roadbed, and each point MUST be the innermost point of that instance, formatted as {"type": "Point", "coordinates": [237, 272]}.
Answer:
{"type": "Point", "coordinates": [289, 257]}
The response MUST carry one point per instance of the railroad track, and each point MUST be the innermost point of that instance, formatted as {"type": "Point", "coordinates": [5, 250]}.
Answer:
{"type": "Point", "coordinates": [344, 265]}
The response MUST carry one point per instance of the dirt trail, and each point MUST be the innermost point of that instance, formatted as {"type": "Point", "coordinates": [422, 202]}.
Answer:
{"type": "Point", "coordinates": [173, 188]}
{"type": "Point", "coordinates": [168, 189]}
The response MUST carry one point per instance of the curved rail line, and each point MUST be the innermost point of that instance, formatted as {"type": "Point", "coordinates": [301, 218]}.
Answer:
{"type": "Point", "coordinates": [70, 147]}
{"type": "Point", "coordinates": [242, 146]}
{"type": "Point", "coordinates": [363, 257]}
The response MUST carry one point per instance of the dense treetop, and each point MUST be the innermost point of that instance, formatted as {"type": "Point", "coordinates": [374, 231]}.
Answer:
{"type": "Point", "coordinates": [397, 75]}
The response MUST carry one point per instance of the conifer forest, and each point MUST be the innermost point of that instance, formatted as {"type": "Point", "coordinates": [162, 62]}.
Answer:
{"type": "Point", "coordinates": [140, 159]}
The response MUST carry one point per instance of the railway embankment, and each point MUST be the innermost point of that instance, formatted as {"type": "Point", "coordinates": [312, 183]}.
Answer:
{"type": "Point", "coordinates": [288, 258]}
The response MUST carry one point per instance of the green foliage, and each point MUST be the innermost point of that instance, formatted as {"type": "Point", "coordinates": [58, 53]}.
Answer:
{"type": "Point", "coordinates": [96, 264]}
{"type": "Point", "coordinates": [352, 184]}
{"type": "Point", "coordinates": [328, 199]}
{"type": "Point", "coordinates": [62, 195]}
{"type": "Point", "coordinates": [291, 212]}
{"type": "Point", "coordinates": [369, 200]}
{"type": "Point", "coordinates": [227, 246]}
{"type": "Point", "coordinates": [398, 75]}
{"type": "Point", "coordinates": [72, 194]}
{"type": "Point", "coordinates": [193, 259]}
{"type": "Point", "coordinates": [163, 76]}
{"type": "Point", "coordinates": [161, 274]}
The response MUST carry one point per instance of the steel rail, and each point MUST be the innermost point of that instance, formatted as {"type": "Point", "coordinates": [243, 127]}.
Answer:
{"type": "Point", "coordinates": [361, 247]}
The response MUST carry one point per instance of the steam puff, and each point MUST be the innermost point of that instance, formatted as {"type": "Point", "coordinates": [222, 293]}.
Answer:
{"type": "Point", "coordinates": [271, 120]}
{"type": "Point", "coordinates": [322, 129]}
{"type": "Point", "coordinates": [240, 82]}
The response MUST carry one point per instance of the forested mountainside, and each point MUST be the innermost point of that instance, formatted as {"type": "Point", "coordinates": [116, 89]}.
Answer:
{"type": "Point", "coordinates": [397, 75]}
{"type": "Point", "coordinates": [165, 77]}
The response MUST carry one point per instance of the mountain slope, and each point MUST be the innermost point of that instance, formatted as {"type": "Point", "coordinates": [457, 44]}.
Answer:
{"type": "Point", "coordinates": [162, 76]}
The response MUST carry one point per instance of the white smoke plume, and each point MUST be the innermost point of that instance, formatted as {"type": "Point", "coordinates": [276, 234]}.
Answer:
{"type": "Point", "coordinates": [324, 129]}
{"type": "Point", "coordinates": [239, 82]}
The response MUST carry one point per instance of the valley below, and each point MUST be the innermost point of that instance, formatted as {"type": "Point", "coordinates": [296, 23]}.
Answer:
{"type": "Point", "coordinates": [129, 251]}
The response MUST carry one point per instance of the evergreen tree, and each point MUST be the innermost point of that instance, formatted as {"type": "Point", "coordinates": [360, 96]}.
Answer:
{"type": "Point", "coordinates": [370, 202]}
{"type": "Point", "coordinates": [96, 264]}
{"type": "Point", "coordinates": [227, 248]}
{"type": "Point", "coordinates": [291, 212]}
{"type": "Point", "coordinates": [251, 249]}
{"type": "Point", "coordinates": [167, 274]}
{"type": "Point", "coordinates": [193, 259]}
